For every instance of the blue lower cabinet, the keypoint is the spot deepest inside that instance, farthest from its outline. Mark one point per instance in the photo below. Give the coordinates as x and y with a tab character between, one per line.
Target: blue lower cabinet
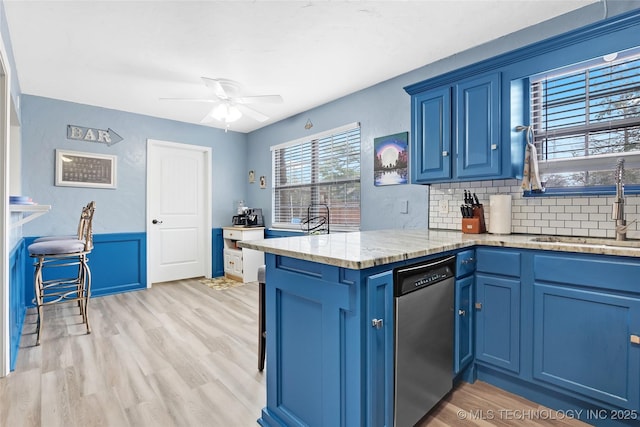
463	324
380	349
497	310
583	343
330	345
315	344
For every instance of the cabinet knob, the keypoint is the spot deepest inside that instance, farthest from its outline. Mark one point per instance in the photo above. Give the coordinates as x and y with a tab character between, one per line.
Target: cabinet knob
376	323
635	339
445	153
461	312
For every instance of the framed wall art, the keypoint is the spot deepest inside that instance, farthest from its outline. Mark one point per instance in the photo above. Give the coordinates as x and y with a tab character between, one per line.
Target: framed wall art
76	169
390	163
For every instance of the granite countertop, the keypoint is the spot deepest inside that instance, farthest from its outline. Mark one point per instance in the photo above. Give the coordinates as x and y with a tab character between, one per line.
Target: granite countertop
364	249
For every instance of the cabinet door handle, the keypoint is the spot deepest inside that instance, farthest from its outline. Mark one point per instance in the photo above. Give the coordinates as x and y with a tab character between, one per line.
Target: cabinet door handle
478	306
461	312
376	323
445	153
635	339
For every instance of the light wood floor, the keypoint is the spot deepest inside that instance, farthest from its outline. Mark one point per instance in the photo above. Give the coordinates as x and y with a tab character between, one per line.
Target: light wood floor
178	354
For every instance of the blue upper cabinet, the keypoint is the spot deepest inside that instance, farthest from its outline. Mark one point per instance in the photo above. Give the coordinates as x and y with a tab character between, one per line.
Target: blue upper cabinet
456	132
478	127
431	136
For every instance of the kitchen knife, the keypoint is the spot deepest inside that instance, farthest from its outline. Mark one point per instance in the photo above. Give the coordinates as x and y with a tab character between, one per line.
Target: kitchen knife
476	199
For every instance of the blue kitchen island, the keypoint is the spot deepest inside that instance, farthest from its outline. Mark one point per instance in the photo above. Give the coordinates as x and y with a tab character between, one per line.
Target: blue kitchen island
330	321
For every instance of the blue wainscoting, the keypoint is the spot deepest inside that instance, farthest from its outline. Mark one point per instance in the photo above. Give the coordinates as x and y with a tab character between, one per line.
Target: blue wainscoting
17	307
118	263
217	253
271	233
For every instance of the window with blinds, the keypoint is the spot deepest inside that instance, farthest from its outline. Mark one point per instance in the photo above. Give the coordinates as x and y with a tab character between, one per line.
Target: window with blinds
318	171
585	118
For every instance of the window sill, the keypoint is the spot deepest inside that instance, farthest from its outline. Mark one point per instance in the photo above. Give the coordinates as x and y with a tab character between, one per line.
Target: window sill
584	191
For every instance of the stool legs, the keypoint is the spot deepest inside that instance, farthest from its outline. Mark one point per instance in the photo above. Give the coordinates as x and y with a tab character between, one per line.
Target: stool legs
62	290
37	280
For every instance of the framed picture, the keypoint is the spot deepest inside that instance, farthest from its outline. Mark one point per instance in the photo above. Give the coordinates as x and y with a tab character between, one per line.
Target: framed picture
75	169
390	163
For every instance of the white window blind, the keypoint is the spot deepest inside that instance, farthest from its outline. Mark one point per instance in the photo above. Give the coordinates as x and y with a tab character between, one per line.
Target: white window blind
586	118
323	169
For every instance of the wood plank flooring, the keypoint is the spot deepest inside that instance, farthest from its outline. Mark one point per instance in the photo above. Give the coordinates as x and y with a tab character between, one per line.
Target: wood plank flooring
178	354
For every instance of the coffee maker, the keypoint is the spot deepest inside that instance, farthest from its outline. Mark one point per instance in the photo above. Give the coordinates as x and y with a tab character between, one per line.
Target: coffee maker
249	217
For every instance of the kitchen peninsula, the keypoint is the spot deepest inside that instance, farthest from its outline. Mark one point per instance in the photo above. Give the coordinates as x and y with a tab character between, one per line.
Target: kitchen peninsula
330	321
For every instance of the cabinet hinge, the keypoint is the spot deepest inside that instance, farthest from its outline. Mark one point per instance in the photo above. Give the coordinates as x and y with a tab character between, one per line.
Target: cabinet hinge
478	306
635	339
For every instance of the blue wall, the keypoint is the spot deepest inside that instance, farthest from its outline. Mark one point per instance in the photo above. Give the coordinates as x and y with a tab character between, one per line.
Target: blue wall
385	109
44	129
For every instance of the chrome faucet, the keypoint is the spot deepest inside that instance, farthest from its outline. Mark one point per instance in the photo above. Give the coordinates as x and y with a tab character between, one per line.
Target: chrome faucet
618	203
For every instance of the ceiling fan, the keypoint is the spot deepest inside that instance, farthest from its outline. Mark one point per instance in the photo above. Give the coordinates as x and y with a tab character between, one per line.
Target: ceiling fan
229	103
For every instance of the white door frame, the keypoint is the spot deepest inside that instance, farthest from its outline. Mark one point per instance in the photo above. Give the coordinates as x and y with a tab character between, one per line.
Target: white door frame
207	187
5	226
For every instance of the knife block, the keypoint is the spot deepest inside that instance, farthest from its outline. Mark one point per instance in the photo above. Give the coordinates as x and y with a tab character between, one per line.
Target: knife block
475	225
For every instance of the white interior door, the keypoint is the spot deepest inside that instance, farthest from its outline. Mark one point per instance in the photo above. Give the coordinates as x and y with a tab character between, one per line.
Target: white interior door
178	211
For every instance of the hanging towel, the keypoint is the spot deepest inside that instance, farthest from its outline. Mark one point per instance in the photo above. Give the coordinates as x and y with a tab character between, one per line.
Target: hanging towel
530	175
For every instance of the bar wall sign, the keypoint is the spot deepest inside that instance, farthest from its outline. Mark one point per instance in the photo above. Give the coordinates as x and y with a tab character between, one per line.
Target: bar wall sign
81	133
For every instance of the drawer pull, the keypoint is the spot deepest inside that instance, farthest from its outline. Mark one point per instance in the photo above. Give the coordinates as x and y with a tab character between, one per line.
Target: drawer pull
635	339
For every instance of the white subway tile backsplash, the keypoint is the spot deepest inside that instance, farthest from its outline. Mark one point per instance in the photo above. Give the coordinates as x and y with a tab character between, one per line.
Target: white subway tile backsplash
587	216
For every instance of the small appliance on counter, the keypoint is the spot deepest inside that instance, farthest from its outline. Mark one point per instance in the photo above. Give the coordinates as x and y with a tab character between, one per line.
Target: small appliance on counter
249	217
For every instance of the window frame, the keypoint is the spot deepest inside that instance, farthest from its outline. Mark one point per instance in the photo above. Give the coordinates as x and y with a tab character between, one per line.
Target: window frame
633	160
314	185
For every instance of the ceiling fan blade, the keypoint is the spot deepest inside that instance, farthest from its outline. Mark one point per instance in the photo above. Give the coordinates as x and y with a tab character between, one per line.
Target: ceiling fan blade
266	99
207	119
256	115
208	100
223	88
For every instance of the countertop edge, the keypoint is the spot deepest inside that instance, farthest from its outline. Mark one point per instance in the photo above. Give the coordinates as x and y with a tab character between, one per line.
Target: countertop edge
434	246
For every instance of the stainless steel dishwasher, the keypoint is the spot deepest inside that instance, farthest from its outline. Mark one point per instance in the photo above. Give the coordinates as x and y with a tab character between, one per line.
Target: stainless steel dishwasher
423	337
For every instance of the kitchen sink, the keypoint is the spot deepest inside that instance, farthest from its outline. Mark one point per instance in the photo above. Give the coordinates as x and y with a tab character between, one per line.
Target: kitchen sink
595	241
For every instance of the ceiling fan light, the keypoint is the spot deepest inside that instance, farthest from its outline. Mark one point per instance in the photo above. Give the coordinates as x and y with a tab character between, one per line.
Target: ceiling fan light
226	113
233	114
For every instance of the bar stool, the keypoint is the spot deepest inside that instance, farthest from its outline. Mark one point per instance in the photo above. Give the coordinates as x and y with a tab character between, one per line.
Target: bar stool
64	252
78	234
262	331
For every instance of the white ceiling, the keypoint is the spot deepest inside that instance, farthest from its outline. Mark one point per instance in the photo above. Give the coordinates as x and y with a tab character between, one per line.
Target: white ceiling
126	55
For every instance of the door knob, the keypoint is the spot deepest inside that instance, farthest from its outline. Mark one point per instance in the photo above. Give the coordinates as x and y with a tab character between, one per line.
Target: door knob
155	221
